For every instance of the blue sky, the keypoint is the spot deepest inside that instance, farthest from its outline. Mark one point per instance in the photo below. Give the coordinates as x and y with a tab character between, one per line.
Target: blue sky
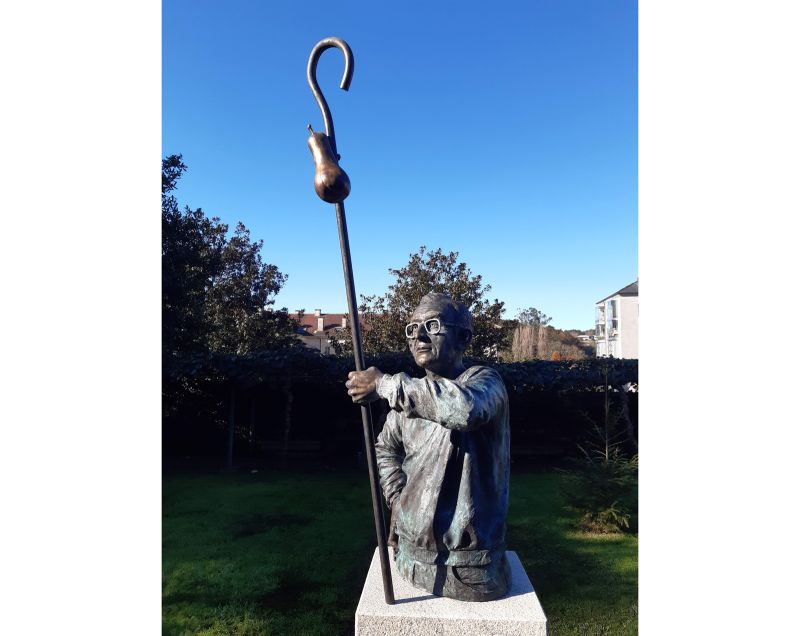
506	132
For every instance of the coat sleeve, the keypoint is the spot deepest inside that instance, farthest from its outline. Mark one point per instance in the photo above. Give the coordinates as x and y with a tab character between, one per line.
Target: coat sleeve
461	405
389	453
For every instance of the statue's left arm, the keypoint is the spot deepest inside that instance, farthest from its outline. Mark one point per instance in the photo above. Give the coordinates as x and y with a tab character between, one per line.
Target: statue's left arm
460	405
389	453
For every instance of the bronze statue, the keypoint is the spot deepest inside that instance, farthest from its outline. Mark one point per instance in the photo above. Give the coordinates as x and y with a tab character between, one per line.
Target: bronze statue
443	458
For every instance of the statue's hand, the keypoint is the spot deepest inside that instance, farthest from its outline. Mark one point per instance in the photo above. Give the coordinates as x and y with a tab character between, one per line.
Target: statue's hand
362	386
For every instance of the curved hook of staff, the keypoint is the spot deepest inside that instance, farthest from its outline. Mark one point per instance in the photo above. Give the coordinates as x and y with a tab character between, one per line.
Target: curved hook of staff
347	77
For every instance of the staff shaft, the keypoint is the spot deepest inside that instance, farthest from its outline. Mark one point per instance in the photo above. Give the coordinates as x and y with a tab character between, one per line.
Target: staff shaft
366	410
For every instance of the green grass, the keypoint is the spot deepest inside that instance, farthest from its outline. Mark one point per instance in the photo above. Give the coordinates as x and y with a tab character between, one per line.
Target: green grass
587	584
286	553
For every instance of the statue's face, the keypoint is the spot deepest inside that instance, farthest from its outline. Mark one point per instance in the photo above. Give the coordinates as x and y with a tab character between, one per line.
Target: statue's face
438	351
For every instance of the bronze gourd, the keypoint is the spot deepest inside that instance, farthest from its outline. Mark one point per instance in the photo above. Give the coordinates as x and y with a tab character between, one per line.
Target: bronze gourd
331	183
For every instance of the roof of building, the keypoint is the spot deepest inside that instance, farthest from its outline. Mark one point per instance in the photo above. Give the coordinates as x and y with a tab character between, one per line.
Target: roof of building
308	325
628	290
309	322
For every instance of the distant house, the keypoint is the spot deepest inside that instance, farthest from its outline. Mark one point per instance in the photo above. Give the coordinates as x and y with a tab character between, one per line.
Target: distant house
617	323
316	330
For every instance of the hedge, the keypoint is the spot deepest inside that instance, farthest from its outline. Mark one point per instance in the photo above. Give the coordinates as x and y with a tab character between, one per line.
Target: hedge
296	400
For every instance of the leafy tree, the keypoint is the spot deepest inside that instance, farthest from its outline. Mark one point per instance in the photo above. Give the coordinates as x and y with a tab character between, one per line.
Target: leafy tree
217	292
532	316
384	317
239	297
189	253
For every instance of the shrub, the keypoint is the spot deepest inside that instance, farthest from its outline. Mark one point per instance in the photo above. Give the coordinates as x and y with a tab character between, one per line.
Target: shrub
603	490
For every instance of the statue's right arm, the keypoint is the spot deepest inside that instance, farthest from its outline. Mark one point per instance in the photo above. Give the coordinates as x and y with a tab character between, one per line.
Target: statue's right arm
464	405
390	453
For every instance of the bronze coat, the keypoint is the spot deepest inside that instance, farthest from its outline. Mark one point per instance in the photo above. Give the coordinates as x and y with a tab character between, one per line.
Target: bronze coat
443	459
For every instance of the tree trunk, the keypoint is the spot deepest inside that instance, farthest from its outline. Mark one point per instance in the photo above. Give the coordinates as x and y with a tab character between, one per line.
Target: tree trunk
523	343
231	427
252	426
287	416
542	351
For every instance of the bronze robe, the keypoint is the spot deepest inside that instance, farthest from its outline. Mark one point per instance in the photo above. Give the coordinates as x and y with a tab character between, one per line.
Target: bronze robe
443	459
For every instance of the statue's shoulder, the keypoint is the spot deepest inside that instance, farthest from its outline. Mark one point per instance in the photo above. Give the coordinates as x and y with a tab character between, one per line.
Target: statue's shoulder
481	370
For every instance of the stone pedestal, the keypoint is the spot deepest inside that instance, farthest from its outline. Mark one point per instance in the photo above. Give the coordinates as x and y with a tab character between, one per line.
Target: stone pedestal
419	613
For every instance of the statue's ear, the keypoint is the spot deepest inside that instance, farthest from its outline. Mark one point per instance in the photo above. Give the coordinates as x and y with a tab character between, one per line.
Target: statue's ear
465	337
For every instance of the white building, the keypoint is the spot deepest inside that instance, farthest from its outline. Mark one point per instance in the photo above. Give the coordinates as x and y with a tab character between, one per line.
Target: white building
617	323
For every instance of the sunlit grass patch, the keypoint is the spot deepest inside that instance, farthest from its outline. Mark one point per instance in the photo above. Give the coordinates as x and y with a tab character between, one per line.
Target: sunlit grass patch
287	553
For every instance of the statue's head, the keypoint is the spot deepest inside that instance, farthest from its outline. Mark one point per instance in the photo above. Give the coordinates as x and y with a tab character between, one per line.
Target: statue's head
439	332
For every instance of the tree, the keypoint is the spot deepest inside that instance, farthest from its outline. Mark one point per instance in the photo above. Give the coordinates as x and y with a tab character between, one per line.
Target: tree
239	300
190	245
534	338
383	318
529	340
603	485
217	293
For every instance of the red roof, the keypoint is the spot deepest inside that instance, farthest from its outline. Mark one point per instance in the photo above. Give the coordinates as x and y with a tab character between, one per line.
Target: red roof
309	321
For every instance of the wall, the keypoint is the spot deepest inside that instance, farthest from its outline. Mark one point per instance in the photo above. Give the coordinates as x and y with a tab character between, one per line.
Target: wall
629	326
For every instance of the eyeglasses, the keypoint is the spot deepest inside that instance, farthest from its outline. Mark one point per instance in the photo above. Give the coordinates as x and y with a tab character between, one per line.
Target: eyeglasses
432	326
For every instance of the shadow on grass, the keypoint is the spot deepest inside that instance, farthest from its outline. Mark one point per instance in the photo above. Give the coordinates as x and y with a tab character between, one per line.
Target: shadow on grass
587	584
556	564
281	553
273	553
291	592
257	523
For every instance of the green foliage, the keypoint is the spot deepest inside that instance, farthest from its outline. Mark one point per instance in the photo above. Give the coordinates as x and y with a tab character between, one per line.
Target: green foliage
545	397
217	293
532	316
603	490
384	317
217	297
238	299
270	366
591	374
602	485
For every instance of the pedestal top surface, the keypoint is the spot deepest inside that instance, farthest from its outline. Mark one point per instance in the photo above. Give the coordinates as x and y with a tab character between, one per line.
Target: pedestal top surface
520	606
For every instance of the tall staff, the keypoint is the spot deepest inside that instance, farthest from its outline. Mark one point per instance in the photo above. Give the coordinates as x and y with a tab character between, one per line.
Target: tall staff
332	184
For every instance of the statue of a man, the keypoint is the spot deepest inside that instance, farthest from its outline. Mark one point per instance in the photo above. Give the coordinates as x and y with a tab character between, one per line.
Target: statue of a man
443	458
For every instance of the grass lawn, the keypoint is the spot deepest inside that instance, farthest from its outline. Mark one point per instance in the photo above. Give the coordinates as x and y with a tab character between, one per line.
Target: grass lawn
286	553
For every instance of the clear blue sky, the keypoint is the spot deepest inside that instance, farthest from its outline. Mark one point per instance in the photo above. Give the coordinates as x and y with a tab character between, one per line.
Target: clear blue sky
504	131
